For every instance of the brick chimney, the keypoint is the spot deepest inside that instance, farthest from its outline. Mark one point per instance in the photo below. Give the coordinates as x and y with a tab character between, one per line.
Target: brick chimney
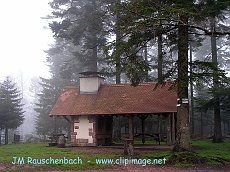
90	82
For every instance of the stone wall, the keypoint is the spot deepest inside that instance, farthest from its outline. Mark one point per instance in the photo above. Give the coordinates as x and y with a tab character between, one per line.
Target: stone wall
83	130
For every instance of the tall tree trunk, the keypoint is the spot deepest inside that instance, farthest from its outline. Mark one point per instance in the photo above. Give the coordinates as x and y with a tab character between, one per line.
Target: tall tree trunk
191	94
117	120
160	59
217	119
183	134
94	53
0	136
146	61
118	58
201	125
160	78
94	57
6	135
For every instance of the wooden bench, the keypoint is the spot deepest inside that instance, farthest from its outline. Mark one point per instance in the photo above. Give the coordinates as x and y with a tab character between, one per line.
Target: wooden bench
156	136
54	139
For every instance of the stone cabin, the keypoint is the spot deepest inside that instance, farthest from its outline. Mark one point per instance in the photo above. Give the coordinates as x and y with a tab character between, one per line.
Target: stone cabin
91	106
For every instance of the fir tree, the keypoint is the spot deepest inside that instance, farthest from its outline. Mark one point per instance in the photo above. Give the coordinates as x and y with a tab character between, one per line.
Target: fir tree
141	21
45	125
11	109
82	23
51	89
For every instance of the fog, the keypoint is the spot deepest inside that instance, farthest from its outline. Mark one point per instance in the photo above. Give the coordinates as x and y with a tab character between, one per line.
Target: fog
23	39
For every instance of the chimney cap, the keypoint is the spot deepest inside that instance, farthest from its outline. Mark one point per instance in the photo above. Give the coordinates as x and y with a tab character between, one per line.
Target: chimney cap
90	73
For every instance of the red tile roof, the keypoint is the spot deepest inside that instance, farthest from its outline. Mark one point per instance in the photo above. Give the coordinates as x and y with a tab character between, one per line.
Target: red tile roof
116	99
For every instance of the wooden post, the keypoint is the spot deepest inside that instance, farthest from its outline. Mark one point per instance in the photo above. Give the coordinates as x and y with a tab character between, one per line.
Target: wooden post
131	126
228	127
169	138
72	124
173	128
160	127
143	117
143	129
128	144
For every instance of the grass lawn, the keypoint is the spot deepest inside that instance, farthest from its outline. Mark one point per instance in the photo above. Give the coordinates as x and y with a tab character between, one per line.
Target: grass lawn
204	152
212	152
39	151
215	152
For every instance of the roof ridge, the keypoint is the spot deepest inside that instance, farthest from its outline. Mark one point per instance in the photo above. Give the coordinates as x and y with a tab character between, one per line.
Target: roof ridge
129	84
122	84
73	87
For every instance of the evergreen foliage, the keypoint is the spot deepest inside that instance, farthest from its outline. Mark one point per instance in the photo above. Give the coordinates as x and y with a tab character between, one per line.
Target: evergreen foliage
62	61
11	109
81	22
51	89
45	125
142	21
137	24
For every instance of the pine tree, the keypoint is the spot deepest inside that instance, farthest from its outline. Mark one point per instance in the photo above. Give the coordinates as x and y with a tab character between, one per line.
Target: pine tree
140	22
11	111
62	61
47	98
82	23
51	88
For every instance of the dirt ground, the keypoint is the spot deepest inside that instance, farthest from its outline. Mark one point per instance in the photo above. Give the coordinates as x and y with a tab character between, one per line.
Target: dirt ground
138	168
117	149
134	168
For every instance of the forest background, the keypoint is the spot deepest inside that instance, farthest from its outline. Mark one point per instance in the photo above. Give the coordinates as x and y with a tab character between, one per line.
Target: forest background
140	41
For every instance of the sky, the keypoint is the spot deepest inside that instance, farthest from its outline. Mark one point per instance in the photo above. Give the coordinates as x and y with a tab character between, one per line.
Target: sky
23	38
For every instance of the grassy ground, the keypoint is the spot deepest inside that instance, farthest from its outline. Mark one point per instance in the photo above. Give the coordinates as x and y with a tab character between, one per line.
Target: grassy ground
213	154
216	153
203	153
41	151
